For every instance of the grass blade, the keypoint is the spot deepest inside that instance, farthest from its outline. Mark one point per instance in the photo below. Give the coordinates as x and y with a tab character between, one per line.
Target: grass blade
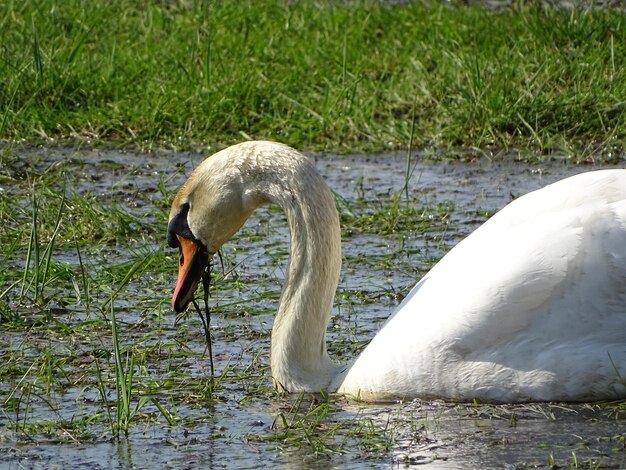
37	56
47	254
122	397
33	248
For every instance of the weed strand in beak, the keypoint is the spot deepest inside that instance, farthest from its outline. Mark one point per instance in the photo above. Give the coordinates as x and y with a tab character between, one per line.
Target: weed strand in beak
206	318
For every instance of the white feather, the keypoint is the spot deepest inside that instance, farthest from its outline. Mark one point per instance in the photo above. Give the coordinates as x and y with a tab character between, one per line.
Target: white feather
531	306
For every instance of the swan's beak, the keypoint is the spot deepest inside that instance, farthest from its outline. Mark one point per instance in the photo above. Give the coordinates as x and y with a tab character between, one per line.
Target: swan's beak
191	264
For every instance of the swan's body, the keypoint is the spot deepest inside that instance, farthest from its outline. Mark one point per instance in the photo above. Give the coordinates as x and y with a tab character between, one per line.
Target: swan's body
530	307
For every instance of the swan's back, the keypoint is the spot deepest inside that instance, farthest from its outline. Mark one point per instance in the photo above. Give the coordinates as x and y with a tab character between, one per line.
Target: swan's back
531	306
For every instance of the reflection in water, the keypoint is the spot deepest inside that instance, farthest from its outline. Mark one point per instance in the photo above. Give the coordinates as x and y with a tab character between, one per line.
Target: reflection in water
124	453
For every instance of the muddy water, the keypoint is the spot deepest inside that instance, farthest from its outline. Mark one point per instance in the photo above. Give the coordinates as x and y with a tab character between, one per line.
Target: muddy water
240	427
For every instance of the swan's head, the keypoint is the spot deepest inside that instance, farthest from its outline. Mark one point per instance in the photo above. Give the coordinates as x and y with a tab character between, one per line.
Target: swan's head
208	210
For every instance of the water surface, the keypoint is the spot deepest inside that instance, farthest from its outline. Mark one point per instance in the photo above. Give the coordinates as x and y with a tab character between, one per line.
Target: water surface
243	424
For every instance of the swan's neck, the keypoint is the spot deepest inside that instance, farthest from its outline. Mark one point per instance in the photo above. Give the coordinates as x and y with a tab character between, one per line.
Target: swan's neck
299	359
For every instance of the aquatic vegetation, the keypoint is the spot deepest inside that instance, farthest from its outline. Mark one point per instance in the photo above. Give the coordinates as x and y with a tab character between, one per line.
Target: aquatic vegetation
89	350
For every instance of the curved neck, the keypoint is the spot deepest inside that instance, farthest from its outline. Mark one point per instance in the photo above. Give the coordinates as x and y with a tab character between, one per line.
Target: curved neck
299	359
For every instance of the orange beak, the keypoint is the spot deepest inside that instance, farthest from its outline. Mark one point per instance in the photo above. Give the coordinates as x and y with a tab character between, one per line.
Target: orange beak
191	264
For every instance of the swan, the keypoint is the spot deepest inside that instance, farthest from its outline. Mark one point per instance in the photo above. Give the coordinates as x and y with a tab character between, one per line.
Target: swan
530	307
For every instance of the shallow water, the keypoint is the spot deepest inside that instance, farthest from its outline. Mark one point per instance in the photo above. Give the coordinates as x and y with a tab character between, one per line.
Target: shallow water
242	425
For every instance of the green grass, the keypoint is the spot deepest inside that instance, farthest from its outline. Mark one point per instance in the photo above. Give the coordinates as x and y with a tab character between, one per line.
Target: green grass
341	76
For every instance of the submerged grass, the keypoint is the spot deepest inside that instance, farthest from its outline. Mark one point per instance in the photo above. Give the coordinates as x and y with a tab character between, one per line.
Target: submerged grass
57	302
41	262
74	252
356	75
89	350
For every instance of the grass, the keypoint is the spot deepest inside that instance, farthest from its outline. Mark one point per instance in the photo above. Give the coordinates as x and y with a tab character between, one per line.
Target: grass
340	76
61	296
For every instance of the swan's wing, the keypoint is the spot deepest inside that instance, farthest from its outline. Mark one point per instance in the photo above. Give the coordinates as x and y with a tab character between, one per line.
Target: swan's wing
560	248
535	289
490	287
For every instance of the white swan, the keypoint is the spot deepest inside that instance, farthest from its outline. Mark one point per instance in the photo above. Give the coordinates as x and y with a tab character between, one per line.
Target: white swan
530	307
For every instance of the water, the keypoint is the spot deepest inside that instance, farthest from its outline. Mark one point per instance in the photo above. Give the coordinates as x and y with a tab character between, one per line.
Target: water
242	426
